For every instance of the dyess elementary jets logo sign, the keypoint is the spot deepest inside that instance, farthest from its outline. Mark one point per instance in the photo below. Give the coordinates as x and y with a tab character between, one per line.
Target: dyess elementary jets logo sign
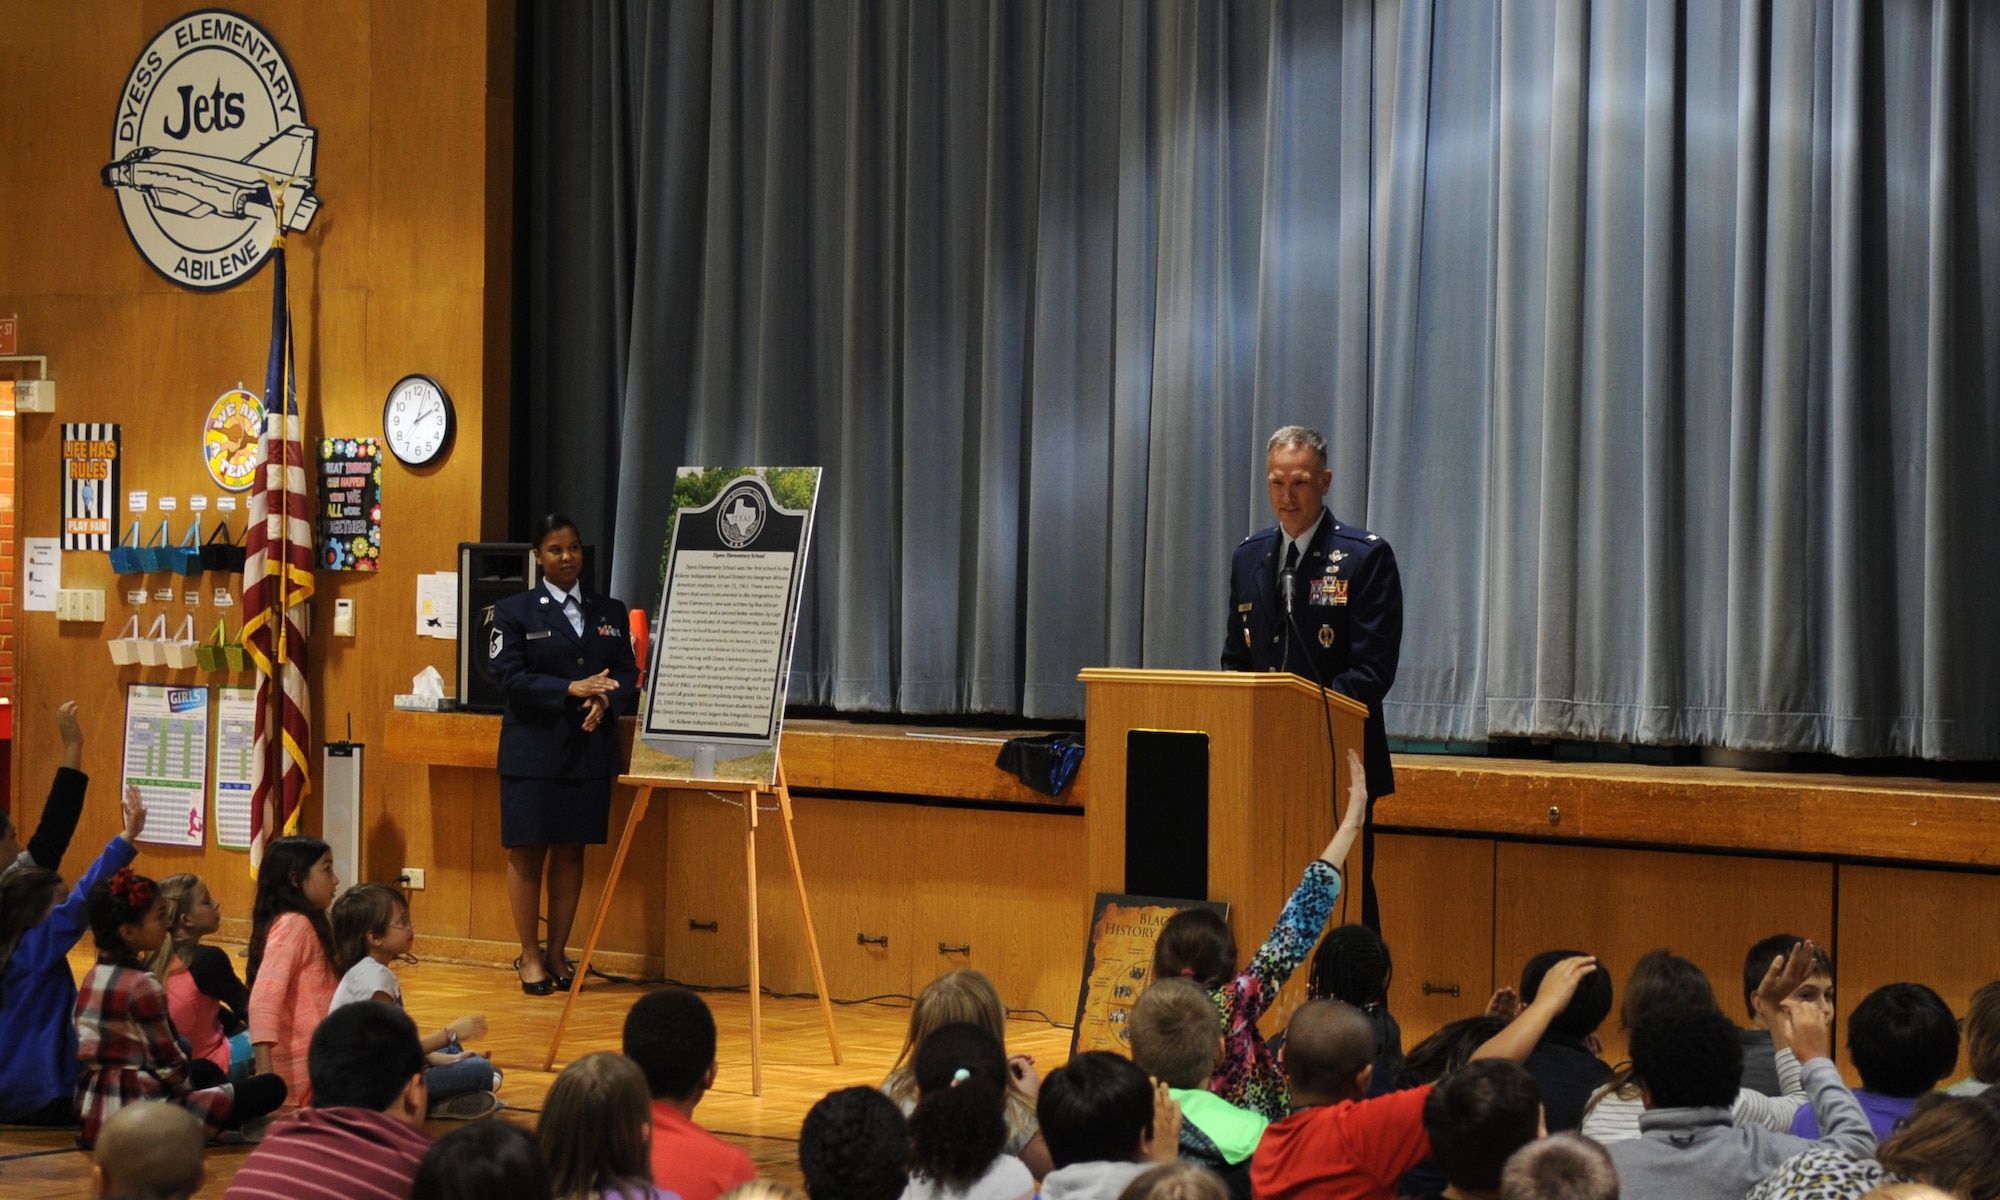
211	129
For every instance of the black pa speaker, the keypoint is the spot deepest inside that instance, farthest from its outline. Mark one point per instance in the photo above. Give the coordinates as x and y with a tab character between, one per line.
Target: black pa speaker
489	572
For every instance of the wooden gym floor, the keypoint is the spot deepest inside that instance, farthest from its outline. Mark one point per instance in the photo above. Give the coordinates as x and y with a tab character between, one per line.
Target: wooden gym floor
798	1069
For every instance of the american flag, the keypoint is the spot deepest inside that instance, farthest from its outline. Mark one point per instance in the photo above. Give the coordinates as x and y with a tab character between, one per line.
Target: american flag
277	582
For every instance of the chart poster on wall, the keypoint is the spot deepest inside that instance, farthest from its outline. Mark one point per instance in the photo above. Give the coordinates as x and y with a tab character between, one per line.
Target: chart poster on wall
1118	964
230	439
166	758
235	740
350	504
90	485
734	564
208	141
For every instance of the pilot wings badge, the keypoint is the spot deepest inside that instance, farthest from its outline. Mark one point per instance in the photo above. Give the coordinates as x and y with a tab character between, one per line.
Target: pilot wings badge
210	144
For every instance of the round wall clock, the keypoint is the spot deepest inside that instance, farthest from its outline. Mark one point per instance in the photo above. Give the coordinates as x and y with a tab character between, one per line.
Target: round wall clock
418	420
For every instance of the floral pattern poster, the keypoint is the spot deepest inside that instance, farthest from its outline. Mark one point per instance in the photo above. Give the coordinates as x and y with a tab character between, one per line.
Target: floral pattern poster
350	504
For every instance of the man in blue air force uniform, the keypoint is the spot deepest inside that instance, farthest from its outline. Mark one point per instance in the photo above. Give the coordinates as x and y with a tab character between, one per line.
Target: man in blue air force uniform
1346	625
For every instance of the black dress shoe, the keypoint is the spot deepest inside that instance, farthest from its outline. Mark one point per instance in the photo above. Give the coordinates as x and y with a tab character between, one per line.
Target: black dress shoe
540	987
567	979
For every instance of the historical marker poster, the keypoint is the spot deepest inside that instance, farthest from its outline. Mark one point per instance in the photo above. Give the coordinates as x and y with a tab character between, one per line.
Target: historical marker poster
722	648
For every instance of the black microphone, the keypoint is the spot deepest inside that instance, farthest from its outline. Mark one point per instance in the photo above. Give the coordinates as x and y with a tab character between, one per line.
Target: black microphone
1285	580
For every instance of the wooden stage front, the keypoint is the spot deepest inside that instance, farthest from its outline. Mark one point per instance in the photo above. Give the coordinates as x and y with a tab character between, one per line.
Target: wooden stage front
911	834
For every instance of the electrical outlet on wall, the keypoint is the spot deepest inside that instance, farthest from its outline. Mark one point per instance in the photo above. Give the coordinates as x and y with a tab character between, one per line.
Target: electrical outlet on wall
413	878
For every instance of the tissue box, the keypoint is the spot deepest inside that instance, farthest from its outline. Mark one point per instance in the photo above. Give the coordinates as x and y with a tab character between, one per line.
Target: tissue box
417	703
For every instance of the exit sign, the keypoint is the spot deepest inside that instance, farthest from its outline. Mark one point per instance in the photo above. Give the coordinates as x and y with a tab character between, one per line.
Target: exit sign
9	327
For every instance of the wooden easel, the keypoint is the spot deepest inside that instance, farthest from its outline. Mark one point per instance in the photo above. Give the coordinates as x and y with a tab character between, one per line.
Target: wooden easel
750	790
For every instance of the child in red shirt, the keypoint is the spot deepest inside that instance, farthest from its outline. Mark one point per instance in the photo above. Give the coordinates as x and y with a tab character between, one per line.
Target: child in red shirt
671	1035
1338	1146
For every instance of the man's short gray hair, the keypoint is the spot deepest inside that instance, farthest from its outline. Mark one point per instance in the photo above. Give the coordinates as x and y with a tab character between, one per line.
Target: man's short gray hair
1561	1167
1299	435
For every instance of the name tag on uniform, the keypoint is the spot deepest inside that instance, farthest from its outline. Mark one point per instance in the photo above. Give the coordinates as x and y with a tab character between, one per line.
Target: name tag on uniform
539	635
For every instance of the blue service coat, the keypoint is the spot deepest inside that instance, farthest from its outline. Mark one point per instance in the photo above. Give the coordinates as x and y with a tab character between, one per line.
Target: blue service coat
535	656
1348	605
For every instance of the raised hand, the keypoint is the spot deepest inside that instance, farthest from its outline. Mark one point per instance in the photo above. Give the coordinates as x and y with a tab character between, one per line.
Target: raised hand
1560	984
1804	1029
72	735
1356	815
1505	1004
133	810
1783	977
1027	1080
1166	1145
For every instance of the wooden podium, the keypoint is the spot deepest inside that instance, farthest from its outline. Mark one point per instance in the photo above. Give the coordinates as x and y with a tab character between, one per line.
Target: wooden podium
1271	804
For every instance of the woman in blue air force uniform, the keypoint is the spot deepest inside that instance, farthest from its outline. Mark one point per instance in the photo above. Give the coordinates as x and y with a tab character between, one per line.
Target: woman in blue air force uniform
563	657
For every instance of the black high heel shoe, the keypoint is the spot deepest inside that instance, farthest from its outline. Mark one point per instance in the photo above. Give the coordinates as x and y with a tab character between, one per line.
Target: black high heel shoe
567	978
540	987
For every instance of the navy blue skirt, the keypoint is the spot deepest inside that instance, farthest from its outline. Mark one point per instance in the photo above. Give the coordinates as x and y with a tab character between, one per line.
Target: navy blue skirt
542	812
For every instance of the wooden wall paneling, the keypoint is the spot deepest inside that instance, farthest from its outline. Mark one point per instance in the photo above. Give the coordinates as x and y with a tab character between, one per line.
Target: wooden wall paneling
1437	917
1901	925
62	233
704	882
1011	886
1620	904
437	831
390	278
858	859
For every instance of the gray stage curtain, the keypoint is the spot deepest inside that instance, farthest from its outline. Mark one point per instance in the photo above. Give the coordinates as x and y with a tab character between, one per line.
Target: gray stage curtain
1654	336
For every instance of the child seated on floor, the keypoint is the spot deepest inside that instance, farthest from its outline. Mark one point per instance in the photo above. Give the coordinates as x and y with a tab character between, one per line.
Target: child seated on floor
1476	1118
1903	1040
967	996
484	1160
1176	1181
1982	1041
60	812
1196	944
1105	1124
671	1035
209	1004
39	926
291	975
596	1130
958	1133
1950	1142
1353	965
855	1145
1760	1072
1662	978
1566	1063
1562	1166
371	929
1337	1144
1177	1039
125	1040
1690	1060
150	1151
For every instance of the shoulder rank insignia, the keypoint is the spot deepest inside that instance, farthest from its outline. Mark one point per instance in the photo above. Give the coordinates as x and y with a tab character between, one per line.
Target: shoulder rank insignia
1374	538
1328	590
